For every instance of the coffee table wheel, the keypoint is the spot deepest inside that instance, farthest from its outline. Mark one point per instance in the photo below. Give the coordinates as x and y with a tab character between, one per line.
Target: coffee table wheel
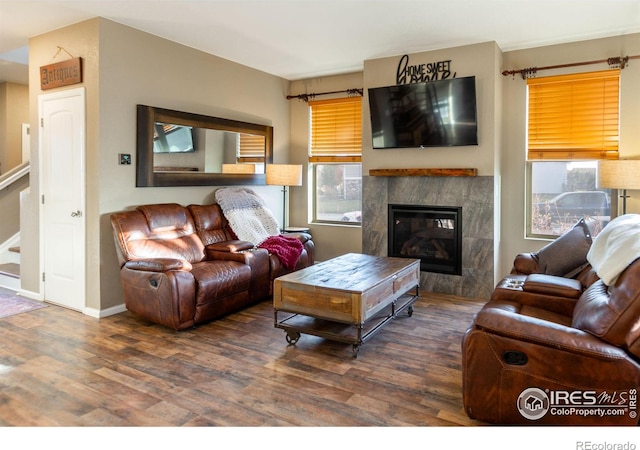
356	347
292	337
410	311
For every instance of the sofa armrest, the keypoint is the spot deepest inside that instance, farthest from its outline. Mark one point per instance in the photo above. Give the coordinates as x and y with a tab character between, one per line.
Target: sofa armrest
552	285
227	253
547	292
302	237
525	263
307	243
164	297
158	264
234	246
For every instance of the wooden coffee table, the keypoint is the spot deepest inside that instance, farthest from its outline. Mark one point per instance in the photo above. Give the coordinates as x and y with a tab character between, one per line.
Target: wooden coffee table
346	299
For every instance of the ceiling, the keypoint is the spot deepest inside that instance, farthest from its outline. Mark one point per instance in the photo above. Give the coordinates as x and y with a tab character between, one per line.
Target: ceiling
298	39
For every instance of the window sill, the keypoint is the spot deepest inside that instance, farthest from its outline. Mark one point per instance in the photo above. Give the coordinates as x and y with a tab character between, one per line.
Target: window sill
338	224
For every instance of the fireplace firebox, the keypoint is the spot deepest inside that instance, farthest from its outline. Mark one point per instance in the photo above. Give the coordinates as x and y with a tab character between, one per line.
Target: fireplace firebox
432	234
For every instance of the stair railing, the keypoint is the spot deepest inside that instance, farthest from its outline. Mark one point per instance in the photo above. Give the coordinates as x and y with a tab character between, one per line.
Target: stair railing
14	175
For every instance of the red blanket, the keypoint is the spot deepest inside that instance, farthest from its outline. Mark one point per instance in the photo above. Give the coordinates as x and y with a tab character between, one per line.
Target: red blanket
287	249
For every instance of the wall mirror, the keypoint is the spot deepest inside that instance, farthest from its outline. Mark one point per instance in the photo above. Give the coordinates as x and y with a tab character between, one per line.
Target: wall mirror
176	148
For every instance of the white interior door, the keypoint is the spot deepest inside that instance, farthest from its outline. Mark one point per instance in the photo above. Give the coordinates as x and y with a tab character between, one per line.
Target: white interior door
62	168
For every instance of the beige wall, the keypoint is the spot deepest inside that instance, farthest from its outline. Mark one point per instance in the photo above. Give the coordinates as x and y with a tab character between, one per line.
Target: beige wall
14	111
124	67
473	60
514	124
331	240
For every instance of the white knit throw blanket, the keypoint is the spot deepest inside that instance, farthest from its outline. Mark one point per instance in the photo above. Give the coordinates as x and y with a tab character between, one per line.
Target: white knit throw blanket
615	247
247	214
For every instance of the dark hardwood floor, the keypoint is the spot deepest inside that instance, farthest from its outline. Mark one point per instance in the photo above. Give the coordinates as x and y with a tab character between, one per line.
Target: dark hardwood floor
62	368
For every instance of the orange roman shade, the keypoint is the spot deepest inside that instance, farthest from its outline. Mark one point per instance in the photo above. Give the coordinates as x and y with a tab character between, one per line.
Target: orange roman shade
573	117
336	130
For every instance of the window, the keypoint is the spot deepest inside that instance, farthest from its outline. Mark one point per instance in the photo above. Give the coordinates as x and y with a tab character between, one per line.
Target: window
572	123
560	193
335	157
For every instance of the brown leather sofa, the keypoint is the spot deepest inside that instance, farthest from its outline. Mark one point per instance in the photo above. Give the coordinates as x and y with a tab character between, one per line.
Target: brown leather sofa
556	350
181	266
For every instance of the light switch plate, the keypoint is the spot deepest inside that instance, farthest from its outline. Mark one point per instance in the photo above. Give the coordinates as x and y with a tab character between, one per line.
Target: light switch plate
125	159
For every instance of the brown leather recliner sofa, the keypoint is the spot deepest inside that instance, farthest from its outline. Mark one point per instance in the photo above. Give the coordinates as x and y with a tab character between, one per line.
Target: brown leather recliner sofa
557	350
181	266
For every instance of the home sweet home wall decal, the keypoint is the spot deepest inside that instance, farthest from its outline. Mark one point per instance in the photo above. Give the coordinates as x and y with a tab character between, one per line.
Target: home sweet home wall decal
417	73
64	73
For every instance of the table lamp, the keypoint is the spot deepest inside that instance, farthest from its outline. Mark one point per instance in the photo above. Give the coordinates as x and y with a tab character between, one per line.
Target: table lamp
284	175
619	174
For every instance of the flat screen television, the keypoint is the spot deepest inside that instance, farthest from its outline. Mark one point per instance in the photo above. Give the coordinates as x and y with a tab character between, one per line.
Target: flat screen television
430	114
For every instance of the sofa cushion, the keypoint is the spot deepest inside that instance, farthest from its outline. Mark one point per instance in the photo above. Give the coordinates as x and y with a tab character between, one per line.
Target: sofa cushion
168	219
210	224
568	253
157	231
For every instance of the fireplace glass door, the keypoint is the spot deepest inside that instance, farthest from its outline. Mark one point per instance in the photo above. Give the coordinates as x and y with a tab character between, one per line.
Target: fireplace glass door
432	234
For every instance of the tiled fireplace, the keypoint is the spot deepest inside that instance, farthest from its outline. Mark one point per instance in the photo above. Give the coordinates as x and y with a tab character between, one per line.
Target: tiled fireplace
472	197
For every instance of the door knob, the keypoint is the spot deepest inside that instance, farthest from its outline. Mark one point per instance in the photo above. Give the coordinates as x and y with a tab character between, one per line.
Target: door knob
77	213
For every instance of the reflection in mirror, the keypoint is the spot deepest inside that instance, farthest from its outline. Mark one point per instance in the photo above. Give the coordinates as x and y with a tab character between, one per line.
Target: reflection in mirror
179	148
182	149
172	138
239	168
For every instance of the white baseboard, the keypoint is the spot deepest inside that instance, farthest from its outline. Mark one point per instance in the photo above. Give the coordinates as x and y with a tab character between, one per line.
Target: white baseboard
100	313
30	294
92	312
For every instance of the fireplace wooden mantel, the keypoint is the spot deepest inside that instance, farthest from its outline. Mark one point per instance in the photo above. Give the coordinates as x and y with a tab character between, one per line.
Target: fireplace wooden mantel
423	172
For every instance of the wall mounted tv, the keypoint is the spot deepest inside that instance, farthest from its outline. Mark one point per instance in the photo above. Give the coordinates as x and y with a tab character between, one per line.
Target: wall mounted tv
431	114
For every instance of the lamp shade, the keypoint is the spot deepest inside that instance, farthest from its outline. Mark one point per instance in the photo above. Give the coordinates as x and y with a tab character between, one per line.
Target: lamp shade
284	174
619	174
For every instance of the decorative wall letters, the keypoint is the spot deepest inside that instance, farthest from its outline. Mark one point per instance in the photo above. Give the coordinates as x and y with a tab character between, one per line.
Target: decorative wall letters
417	73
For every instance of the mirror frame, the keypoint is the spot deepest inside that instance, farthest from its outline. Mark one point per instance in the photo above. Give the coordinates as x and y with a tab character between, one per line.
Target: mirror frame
147	116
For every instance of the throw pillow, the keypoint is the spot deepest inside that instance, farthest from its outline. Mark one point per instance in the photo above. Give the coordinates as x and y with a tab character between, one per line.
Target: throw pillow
568	252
